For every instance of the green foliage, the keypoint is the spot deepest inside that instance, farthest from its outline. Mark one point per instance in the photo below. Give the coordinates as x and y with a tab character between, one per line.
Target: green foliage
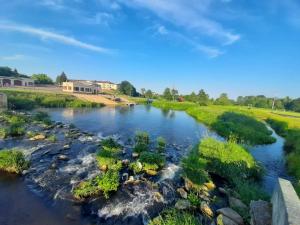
142	141
86	189
194	168
194	199
3	133
52	138
152	159
167	94
13	161
110	143
248	191
279	126
223	100
8	72
16	126
41	79
228	160
245	128
109	182
61	78
161	144
175	217
30	100
127	88
134	166
42	117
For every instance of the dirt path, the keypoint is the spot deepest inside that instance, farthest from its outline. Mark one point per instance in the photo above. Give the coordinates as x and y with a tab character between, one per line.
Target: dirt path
95	98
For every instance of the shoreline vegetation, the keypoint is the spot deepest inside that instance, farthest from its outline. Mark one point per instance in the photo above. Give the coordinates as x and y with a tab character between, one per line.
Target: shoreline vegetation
245	125
211	162
28	100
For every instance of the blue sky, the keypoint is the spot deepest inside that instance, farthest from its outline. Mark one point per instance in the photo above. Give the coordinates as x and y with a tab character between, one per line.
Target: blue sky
239	47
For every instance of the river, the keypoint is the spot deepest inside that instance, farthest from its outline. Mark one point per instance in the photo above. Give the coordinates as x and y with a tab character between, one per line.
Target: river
21	204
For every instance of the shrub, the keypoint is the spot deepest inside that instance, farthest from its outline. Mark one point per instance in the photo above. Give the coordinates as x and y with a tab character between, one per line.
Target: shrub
42	117
52	138
151	159
280	127
228	160
13	161
135	167
142	138
175	217
245	128
110	143
108	155
161	144
86	189
194	199
194	168
109	182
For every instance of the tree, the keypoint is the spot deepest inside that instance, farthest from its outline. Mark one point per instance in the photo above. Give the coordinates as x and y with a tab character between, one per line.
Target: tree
127	88
223	100
167	94
41	79
149	94
192	97
203	98
8	72
61	78
143	91
174	94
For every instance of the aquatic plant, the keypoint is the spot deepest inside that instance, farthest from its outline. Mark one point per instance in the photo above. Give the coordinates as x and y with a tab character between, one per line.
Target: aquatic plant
175	217
142	141
152	159
108	155
42	117
52	138
13	161
160	144
109	181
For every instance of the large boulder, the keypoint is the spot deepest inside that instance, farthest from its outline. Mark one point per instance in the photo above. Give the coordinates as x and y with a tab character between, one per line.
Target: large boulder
182	204
236	203
224	220
231	214
261	213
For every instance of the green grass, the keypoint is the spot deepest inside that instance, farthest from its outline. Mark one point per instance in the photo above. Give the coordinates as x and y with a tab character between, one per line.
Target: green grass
109	153
142	142
13	161
28	100
42	117
175	217
161	144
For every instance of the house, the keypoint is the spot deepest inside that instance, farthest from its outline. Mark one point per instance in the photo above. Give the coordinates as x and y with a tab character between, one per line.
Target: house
107	85
16	81
81	86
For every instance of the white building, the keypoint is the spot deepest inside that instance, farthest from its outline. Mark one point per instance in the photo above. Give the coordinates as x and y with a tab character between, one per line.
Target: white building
16	81
107	85
81	86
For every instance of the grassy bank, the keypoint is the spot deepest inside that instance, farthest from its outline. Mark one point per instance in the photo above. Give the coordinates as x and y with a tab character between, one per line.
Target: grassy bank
20	99
226	121
292	148
12	161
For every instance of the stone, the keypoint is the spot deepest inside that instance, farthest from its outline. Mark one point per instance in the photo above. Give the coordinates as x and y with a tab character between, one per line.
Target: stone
66	147
104	168
151	172
125	162
188	185
182	204
125	176
182	193
135	155
139	165
261	213
63	157
24	172
38	137
224	220
231	214
236	203
158	197
206	210
223	191
210	185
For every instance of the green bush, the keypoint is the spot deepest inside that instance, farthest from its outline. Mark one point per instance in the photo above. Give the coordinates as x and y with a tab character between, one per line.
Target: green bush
135	167
109	182
194	168
13	161
3	133
86	189
280	127
194	199
175	217
245	128
109	153
42	117
151	159
52	138
142	138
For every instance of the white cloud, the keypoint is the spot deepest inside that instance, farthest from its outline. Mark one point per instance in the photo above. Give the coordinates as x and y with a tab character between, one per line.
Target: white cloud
13	57
44	34
192	15
209	51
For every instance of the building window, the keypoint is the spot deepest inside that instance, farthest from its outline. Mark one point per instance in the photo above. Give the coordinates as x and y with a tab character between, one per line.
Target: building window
65	87
76	88
69	88
82	89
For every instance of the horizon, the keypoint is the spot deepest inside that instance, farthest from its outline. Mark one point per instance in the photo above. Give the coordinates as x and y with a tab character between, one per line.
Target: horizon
221	46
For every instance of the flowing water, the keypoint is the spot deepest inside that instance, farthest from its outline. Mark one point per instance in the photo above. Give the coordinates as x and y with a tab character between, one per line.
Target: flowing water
21	203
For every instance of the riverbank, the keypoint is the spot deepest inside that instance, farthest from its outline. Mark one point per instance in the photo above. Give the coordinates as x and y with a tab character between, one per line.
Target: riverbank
71	160
286	124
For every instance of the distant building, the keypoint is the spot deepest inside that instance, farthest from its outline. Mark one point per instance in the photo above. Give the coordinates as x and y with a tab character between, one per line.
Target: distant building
81	86
107	85
16	81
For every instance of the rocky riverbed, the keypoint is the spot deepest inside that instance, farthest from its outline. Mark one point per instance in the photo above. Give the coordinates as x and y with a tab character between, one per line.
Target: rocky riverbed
58	164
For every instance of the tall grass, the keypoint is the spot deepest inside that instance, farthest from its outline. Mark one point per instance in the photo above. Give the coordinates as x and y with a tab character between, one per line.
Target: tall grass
12	161
28	100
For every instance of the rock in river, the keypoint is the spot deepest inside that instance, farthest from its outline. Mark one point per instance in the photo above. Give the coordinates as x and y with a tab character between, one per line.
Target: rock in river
206	210
236	203
224	220
182	204
231	214
38	137
261	213
182	193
